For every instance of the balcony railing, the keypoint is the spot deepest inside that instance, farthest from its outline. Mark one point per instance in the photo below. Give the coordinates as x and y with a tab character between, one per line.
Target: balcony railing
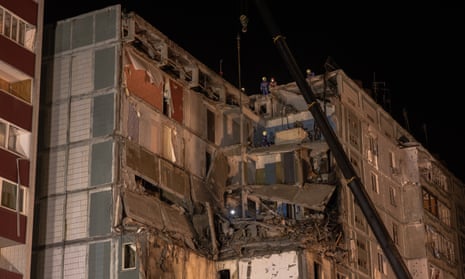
20	89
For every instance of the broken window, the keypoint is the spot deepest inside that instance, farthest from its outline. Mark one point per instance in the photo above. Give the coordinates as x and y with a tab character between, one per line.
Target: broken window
374	183
276	169
353	128
317	271
360	221
155	190
251	209
263	109
444	213
362	255
373	150
286	210
129	256
232	200
393	163
224	274
430	203
267	205
392	196
438	178
168	145
210	126
395	233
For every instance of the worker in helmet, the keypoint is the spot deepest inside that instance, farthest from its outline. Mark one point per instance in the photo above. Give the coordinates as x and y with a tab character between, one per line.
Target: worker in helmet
265	141
310	73
273	82
265	86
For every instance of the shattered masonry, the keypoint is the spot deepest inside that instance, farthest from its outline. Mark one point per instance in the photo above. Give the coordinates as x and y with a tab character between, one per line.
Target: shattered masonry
158	163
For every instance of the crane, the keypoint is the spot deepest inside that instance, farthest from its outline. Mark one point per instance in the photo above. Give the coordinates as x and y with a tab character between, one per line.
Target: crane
348	171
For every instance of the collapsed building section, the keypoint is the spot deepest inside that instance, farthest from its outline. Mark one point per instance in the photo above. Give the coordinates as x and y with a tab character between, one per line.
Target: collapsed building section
231	195
158	163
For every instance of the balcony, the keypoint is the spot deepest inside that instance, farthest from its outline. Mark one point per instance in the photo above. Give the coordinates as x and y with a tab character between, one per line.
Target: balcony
20	89
6	274
10	233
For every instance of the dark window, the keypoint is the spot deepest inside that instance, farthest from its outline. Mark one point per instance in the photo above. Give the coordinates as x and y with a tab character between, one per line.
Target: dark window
224	274
129	256
317	270
208	161
210	126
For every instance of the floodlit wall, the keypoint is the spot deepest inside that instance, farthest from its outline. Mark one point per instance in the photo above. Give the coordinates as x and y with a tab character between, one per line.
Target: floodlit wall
77	155
282	265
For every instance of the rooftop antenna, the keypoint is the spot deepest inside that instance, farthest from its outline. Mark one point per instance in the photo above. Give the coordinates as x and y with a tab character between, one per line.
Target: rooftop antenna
404	113
238	39
379	88
376	89
244	20
221	67
425	130
330	64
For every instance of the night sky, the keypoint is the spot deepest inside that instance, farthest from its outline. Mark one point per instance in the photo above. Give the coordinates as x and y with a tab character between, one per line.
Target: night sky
417	54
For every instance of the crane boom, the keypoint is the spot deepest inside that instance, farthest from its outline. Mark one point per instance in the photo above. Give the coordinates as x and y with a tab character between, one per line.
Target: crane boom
353	181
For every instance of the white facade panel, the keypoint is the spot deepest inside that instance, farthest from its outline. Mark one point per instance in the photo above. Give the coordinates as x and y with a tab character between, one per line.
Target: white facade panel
195	148
17	255
51	263
54	182
75	262
59	124
80	120
78	168
51	220
61	69
76	215
82	73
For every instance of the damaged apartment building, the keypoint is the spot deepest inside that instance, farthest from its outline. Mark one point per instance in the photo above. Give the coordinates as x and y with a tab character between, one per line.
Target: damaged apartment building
151	165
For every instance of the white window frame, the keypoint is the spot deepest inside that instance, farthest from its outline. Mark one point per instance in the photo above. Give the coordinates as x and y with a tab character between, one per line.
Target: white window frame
21	199
128	264
22	139
24	33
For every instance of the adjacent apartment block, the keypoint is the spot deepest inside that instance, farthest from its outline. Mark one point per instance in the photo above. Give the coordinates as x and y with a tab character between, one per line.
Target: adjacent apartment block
20	63
153	166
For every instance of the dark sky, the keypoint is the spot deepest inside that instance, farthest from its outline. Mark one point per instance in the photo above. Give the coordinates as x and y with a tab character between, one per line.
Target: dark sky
418	53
